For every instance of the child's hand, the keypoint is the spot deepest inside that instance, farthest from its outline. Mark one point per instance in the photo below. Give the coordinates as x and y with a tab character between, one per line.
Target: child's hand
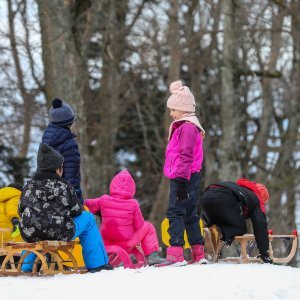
181	189
16	224
85	208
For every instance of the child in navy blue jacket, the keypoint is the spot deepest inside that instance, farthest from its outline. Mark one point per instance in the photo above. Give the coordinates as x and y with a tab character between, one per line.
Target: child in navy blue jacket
59	136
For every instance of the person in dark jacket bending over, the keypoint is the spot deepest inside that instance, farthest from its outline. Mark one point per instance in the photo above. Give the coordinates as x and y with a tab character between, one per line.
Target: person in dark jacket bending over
50	210
228	204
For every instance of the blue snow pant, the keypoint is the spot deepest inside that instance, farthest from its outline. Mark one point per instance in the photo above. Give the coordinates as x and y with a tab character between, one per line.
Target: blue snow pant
183	214
93	250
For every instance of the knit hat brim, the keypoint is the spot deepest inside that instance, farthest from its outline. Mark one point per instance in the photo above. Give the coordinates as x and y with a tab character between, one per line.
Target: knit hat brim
64	123
185	108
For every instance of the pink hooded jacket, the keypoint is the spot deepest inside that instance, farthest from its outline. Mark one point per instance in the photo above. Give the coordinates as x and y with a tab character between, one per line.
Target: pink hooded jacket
184	154
121	214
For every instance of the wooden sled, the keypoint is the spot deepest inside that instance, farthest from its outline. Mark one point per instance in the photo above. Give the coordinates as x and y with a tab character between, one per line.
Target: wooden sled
213	246
48	262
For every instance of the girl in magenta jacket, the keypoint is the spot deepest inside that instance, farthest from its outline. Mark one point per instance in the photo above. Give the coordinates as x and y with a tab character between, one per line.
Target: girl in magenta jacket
122	221
183	163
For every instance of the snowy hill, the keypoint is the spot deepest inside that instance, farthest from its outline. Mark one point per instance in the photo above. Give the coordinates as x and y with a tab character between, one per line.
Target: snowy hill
214	281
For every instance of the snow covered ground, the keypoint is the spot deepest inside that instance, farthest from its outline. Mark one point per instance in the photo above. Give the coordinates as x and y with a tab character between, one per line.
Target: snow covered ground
214	281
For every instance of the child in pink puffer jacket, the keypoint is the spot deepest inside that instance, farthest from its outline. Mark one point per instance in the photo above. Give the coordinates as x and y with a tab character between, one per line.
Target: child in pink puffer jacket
122	221
183	163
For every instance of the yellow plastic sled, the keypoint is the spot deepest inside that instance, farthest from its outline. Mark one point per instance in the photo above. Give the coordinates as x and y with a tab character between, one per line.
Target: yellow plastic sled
166	237
77	253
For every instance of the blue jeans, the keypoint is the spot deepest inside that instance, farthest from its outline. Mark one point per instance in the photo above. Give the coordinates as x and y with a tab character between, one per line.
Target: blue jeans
93	250
183	215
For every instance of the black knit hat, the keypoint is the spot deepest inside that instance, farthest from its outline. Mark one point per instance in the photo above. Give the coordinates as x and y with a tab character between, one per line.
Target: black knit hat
48	159
16	186
61	113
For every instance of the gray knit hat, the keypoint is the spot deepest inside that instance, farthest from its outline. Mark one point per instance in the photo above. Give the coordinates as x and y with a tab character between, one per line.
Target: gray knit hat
48	159
61	113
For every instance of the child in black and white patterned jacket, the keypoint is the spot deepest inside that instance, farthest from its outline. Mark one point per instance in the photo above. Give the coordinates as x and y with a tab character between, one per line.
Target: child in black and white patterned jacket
50	210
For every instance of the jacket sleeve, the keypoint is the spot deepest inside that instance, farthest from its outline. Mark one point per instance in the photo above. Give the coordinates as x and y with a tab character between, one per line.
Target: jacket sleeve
94	205
187	141
138	219
21	206
260	228
74	202
71	156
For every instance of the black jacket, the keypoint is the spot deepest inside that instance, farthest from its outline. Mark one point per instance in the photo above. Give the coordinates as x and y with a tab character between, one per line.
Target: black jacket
228	205
47	205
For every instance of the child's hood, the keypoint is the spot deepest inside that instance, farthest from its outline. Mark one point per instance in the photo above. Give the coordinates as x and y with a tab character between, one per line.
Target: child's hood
7	193
122	185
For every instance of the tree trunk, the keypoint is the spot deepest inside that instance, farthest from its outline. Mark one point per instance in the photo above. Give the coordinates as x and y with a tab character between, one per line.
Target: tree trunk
108	104
66	74
160	205
230	141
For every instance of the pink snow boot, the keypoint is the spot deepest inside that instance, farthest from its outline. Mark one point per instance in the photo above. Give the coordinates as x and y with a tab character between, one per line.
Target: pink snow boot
198	254
174	257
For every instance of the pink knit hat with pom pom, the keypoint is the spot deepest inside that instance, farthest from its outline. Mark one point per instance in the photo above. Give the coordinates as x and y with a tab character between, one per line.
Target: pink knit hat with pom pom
181	98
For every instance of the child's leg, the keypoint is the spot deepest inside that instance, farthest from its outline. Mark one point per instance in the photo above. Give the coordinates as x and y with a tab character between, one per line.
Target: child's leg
176	213
146	235
192	219
93	250
28	262
148	238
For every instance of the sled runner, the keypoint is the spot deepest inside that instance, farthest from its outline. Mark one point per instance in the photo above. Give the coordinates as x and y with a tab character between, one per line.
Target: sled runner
133	258
48	262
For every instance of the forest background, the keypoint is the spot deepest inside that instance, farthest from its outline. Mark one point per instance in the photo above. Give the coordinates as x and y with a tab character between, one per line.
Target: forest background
113	61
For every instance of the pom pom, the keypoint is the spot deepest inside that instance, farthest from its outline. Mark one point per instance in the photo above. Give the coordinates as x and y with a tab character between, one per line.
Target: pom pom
176	86
44	148
57	103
